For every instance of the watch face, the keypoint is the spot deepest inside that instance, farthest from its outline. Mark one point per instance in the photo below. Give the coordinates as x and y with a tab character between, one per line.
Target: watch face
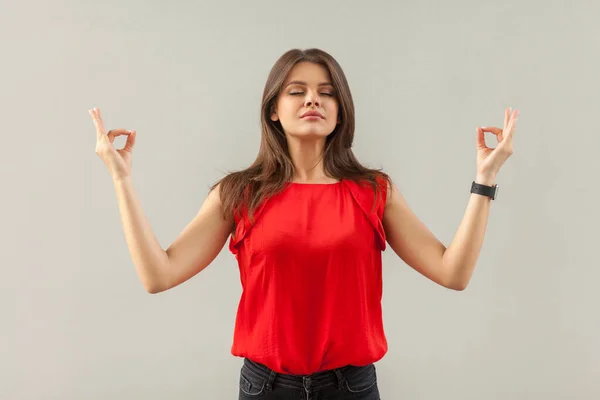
496	193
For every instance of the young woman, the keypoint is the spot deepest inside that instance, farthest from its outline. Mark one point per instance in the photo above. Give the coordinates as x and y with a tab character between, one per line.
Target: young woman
307	224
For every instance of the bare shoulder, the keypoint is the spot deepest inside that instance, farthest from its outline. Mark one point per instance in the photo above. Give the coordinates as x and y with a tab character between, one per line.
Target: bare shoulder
214	199
393	195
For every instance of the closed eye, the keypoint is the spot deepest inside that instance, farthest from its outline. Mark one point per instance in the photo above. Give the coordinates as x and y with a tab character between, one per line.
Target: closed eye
323	94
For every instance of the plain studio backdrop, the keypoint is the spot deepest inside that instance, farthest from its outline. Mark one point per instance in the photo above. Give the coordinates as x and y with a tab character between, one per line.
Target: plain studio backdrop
188	76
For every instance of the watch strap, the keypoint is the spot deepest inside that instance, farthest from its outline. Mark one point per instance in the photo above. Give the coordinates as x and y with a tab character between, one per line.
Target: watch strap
484	190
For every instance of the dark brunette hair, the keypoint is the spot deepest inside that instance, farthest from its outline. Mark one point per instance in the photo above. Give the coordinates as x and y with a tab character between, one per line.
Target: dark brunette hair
273	168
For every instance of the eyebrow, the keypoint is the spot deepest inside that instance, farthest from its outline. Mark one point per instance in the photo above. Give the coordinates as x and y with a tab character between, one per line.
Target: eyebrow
304	83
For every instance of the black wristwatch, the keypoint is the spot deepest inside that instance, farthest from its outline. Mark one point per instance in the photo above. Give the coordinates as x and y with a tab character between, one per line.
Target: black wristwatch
490	191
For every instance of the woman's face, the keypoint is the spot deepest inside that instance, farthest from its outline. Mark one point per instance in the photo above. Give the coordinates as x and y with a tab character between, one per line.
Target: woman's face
308	87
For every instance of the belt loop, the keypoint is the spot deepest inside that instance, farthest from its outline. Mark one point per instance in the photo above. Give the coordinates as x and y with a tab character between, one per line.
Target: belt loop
340	378
270	380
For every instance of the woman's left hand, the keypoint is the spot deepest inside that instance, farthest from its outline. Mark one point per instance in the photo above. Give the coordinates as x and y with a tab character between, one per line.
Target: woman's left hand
489	160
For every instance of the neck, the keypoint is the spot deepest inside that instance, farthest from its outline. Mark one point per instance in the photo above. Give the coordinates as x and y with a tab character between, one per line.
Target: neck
307	157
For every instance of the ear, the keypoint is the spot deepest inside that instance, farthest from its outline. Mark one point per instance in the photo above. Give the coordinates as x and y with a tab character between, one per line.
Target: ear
274	116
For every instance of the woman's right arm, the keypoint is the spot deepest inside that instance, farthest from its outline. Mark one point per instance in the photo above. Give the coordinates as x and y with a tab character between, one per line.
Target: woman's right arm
192	251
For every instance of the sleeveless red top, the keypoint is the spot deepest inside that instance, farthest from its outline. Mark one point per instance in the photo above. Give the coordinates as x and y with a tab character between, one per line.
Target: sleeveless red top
310	269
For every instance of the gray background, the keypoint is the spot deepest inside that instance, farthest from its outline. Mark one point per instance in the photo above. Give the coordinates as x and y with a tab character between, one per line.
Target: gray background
188	76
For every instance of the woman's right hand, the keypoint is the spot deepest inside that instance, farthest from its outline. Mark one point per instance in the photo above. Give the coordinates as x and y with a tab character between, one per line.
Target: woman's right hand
118	161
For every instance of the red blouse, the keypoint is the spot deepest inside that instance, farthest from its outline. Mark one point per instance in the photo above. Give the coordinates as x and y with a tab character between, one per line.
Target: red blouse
310	269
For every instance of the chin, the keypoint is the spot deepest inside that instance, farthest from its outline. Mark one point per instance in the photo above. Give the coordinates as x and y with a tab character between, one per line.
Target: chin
312	132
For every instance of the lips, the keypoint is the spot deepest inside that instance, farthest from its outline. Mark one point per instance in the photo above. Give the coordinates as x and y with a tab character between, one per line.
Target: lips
312	114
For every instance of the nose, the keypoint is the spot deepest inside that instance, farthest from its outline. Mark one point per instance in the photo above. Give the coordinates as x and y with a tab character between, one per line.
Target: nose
312	99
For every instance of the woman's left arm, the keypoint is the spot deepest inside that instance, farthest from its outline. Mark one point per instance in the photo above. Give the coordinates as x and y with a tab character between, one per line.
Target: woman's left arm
413	242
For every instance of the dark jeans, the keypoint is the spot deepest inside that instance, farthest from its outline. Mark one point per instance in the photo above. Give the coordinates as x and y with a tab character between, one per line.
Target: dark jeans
257	381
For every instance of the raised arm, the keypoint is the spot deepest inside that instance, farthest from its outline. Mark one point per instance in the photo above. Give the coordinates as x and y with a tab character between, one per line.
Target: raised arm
193	250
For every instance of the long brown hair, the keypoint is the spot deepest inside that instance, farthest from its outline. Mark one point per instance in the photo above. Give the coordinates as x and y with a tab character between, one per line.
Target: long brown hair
273	168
